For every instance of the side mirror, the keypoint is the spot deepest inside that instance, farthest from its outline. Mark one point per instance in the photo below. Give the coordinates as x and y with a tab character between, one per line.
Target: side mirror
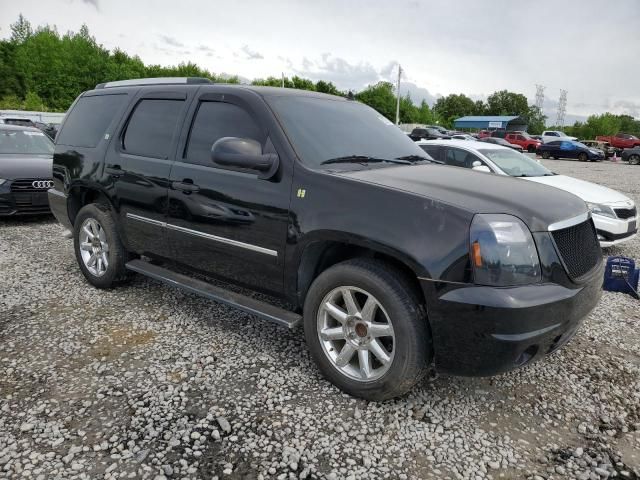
479	167
244	153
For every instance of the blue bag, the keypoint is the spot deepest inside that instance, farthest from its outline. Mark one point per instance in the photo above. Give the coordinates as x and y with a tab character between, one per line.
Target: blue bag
621	275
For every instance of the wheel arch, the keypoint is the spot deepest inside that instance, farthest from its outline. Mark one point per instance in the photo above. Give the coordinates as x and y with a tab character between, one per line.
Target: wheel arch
80	195
324	251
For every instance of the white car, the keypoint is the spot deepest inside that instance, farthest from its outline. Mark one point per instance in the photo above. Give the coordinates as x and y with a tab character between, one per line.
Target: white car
464	136
551	135
614	215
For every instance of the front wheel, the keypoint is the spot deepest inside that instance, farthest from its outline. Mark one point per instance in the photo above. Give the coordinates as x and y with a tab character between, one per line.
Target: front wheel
99	251
583	157
531	149
366	329
634	160
545	155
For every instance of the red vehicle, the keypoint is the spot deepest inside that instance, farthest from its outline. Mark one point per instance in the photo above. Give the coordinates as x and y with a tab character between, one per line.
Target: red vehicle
524	140
620	140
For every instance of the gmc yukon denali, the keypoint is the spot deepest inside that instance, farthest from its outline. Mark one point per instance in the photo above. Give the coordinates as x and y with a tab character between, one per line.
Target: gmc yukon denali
392	262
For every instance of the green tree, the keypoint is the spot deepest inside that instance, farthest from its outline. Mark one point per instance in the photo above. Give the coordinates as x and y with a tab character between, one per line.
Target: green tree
327	87
454	106
21	30
504	102
381	97
33	102
536	120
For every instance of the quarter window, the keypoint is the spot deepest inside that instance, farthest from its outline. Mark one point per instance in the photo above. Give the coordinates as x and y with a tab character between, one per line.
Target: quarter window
152	127
215	120
87	123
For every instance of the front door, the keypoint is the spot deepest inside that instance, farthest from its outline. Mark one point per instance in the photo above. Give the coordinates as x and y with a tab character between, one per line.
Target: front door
138	163
226	221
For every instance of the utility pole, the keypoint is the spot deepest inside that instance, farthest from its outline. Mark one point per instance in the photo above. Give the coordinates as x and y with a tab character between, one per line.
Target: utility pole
282	79
398	100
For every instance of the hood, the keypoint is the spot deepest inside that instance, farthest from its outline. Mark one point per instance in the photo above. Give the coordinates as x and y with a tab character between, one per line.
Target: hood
477	192
26	166
589	192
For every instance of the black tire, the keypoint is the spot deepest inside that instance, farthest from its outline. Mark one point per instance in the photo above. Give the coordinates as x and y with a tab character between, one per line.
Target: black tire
634	160
117	255
531	149
556	158
583	157
545	155
412	350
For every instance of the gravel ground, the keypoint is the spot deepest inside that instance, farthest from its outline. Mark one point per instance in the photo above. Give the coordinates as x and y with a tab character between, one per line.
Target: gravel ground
148	382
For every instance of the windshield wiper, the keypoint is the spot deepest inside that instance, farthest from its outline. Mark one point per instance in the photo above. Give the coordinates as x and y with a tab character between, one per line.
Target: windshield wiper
418	158
363	159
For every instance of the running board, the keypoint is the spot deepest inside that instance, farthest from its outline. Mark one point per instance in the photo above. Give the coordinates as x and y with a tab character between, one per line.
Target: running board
236	300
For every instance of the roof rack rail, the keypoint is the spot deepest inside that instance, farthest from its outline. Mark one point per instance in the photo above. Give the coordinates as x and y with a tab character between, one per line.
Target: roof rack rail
135	82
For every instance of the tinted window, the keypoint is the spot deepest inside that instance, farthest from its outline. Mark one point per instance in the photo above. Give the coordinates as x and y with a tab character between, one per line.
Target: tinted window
554	144
322	129
215	120
460	158
151	128
87	123
432	150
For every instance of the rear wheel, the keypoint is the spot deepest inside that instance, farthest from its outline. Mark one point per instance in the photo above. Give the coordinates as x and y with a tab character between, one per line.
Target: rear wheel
583	157
634	160
545	155
99	251
366	329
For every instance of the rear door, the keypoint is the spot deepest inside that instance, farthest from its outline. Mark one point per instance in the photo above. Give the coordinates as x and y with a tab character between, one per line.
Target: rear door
138	164
225	221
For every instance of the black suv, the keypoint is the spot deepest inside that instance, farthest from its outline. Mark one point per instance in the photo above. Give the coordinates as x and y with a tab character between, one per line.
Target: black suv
391	261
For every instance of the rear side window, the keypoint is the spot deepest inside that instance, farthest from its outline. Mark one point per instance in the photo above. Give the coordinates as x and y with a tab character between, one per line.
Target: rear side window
87	123
215	120
433	150
152	127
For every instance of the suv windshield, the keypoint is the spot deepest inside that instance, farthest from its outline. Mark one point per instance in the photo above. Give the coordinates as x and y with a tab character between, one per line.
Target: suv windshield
515	164
24	142
322	130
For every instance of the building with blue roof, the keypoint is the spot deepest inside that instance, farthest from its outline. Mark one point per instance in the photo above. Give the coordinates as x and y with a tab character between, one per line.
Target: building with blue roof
491	122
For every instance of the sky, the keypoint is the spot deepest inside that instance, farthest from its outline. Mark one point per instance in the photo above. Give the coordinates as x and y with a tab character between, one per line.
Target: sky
590	48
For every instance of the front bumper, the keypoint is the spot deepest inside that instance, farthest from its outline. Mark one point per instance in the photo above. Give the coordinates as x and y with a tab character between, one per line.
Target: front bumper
15	203
613	231
481	331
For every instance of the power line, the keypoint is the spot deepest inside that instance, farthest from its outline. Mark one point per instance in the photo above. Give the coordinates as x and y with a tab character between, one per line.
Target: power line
562	108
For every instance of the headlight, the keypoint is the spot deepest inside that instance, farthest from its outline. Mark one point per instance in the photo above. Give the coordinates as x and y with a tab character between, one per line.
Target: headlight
604	210
502	251
2	180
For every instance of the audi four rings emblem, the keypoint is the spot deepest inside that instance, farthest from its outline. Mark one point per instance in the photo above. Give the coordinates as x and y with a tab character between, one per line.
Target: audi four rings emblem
42	184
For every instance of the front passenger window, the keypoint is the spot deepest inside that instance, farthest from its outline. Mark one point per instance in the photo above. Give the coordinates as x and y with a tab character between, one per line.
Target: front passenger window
215	120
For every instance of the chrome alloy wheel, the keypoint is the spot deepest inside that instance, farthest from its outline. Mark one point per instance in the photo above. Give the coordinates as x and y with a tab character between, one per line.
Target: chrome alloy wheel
356	333
94	248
